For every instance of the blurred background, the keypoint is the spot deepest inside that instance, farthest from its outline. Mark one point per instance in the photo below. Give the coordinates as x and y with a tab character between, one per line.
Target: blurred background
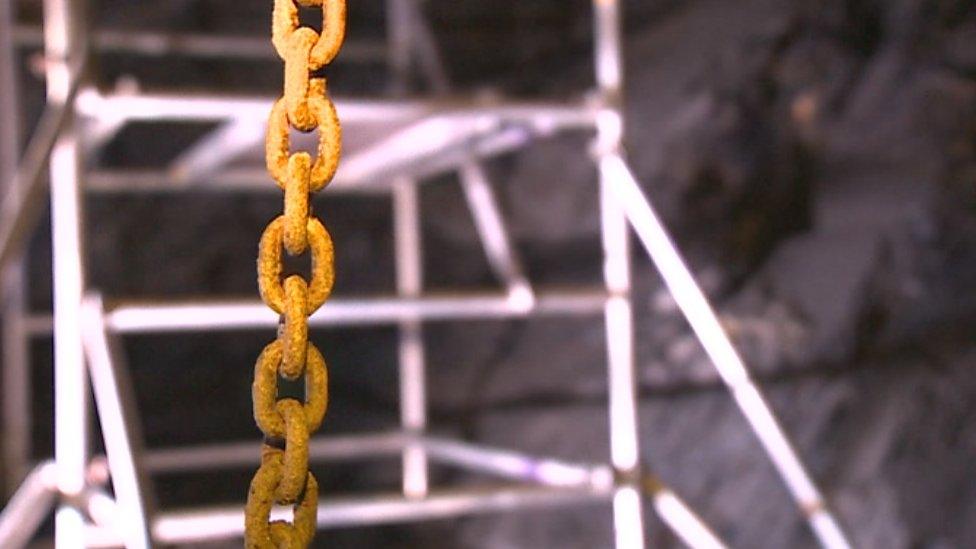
814	160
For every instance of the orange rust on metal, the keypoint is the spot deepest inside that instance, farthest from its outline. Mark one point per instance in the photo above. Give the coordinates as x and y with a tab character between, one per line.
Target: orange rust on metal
260	533
295	238
651	484
811	508
297	81
264	391
294	333
270	265
285	23
277	140
296	452
283	477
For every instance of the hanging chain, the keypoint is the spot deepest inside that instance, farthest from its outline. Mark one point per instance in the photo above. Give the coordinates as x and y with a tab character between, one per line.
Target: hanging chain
283	477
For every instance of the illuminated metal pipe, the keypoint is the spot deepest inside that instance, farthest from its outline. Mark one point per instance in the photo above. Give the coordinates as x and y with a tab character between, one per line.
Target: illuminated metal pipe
369	170
519	466
29	506
442	133
408	249
483	144
134	317
679	517
423	142
703	320
544	116
247	454
490	225
504	463
116	415
226	522
408	252
374	178
70	383
236	315
628	522
624	440
102	508
65	48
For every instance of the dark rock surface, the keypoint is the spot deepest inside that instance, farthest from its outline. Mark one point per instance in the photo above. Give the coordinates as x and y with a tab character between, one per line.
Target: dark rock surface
816	162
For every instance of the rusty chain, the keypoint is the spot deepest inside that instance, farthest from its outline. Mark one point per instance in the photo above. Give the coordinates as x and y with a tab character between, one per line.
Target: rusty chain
283	477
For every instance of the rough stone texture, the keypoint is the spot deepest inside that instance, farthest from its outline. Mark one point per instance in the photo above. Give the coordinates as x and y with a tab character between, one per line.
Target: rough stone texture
815	161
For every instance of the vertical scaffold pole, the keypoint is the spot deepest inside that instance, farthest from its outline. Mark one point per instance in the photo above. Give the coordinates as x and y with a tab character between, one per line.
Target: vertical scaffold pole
624	437
409	270
64	40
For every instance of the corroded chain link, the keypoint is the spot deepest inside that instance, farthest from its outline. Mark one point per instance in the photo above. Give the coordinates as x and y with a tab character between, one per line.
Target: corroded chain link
284	478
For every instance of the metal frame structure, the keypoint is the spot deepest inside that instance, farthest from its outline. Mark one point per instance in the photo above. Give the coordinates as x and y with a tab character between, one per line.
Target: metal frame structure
434	135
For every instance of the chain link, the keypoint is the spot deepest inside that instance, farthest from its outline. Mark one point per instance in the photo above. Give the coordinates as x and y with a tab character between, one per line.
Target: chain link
283	477
277	142
270	266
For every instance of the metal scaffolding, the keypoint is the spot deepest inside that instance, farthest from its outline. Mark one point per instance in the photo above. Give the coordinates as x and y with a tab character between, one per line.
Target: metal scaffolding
400	142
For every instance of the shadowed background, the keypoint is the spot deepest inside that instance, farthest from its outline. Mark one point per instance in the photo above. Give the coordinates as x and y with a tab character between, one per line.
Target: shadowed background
815	161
